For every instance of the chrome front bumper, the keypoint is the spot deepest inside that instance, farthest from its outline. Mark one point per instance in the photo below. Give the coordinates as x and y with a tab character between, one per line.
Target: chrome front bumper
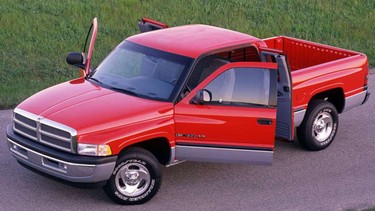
65	166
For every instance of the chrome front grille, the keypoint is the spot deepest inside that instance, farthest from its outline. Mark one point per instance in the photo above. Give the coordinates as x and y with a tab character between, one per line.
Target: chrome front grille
43	130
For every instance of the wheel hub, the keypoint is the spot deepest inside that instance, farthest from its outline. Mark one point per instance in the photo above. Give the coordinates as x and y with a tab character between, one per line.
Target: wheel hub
322	126
132	177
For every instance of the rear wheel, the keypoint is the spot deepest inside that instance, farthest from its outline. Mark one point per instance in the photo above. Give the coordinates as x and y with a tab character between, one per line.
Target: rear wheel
319	127
135	179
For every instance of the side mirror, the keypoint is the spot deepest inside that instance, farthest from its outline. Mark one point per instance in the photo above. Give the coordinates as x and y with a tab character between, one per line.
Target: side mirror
77	59
203	96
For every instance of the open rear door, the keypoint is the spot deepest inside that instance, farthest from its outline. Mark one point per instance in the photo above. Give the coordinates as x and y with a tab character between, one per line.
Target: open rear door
146	25
285	114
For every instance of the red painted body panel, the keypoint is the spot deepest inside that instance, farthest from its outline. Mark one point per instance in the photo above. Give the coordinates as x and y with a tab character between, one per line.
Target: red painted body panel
148	20
347	74
317	68
225	125
192	40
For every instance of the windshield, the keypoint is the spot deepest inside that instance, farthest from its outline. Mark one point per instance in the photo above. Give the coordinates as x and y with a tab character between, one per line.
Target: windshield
142	71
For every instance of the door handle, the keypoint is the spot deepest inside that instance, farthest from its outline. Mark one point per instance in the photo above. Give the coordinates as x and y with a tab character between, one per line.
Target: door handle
264	121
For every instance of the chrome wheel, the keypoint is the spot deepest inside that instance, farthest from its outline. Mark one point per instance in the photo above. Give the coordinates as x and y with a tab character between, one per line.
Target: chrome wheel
319	126
322	126
133	179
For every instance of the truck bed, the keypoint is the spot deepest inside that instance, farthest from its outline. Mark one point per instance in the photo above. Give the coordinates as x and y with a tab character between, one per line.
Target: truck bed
318	68
302	53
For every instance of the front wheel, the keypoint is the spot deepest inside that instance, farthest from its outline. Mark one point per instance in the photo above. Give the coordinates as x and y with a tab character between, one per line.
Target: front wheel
135	179
319	127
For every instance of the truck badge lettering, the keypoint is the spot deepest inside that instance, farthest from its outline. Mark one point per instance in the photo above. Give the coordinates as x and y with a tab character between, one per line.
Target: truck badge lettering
190	135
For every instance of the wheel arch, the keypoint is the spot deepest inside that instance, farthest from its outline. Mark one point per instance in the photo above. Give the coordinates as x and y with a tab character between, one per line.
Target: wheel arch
159	147
335	96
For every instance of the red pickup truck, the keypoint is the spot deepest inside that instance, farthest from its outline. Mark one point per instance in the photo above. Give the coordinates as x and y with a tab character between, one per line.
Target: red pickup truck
194	93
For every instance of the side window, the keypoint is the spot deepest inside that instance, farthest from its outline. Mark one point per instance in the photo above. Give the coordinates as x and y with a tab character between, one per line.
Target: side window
203	69
244	87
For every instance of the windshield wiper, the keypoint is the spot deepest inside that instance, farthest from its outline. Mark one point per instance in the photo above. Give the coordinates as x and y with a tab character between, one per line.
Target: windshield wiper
96	80
126	91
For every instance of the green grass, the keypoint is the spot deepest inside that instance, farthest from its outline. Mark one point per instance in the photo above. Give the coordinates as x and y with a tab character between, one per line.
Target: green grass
36	35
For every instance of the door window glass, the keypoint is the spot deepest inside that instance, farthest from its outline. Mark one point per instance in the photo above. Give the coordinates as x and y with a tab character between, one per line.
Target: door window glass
243	86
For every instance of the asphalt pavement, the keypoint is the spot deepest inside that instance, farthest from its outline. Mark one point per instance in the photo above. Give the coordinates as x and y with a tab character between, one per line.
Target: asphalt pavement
340	177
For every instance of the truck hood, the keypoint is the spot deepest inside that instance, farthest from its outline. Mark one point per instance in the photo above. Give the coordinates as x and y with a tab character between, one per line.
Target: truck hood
88	108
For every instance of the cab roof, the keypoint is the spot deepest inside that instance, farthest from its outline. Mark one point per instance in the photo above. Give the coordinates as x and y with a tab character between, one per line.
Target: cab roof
192	40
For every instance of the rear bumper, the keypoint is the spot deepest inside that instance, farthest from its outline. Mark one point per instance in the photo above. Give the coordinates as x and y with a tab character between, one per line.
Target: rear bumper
356	100
367	97
62	165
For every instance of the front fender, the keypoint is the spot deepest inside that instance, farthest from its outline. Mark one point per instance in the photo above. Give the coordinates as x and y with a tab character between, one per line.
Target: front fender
119	138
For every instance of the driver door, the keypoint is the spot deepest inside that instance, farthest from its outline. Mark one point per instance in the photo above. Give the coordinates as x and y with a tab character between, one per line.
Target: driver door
236	123
93	31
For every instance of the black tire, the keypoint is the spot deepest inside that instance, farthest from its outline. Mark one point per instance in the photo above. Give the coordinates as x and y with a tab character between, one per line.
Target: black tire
141	170
314	134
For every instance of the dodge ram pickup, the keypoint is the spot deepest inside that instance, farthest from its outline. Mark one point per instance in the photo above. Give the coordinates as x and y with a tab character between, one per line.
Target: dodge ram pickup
187	93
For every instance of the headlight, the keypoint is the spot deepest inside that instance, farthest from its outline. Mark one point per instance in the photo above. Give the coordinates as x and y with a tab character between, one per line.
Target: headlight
94	150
